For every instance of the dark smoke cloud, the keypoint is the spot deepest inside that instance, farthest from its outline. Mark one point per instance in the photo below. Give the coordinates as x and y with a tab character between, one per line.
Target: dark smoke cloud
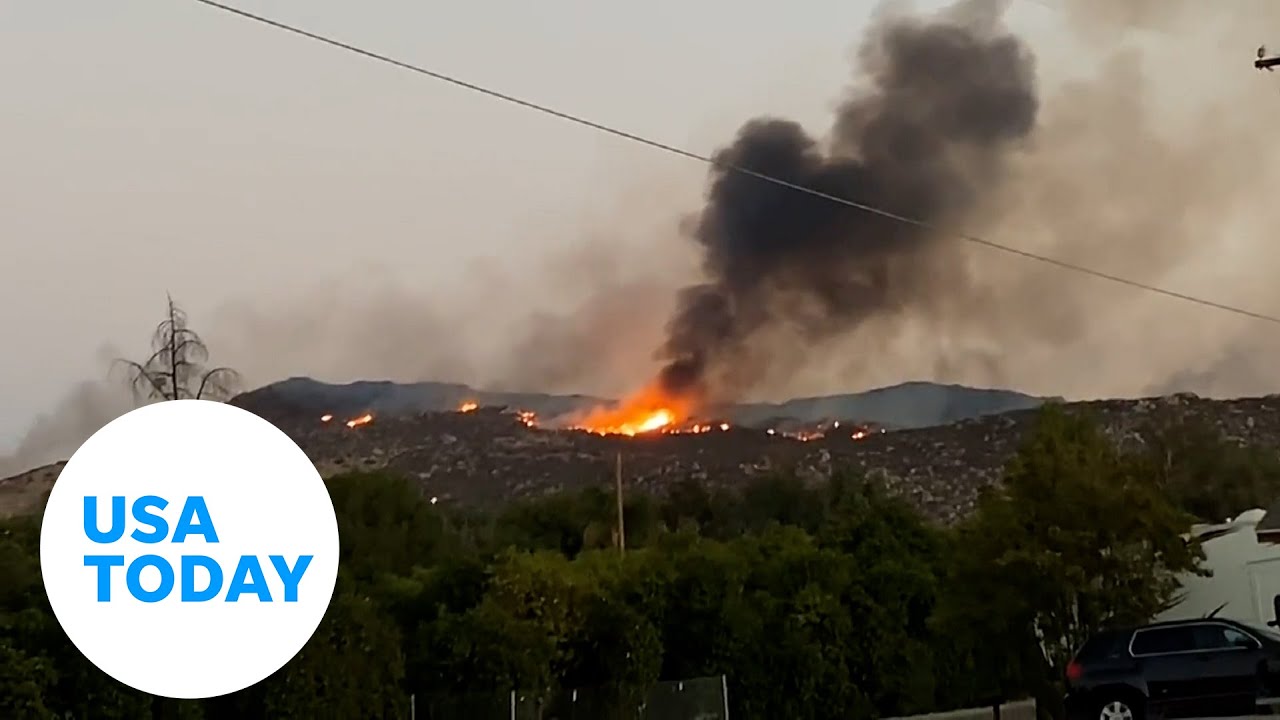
1153	158
945	101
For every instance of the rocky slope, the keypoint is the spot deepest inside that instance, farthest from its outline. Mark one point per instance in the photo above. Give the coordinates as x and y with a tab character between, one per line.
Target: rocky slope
25	493
489	455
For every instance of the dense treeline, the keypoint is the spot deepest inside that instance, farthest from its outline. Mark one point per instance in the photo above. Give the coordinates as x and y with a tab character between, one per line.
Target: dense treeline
815	602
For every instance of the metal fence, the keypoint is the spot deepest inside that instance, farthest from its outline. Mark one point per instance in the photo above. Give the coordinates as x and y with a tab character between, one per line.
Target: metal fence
694	699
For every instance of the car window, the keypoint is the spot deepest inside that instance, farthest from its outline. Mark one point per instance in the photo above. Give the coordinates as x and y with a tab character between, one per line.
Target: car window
1156	641
1103	646
1237	638
1215	637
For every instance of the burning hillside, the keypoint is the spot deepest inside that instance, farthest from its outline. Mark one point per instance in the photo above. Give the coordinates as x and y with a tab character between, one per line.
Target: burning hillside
354	422
904	406
638	421
648	411
946	102
490	454
664	421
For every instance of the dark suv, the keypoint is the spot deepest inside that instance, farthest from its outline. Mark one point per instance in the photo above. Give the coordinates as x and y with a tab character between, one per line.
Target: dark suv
1188	668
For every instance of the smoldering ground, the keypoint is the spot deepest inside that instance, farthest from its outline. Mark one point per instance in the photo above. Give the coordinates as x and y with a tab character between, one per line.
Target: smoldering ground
1150	156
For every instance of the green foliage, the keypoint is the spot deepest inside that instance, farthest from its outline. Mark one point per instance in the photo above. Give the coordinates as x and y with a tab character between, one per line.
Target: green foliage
352	667
1209	475
25	681
1079	536
384	526
814	602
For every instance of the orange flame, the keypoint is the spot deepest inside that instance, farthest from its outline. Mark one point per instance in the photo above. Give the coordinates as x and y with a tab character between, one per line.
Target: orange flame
467	407
649	410
528	417
326	418
362	420
695	429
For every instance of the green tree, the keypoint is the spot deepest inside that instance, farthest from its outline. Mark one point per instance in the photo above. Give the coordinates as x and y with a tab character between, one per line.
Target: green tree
780	499
572	522
385	525
715	514
615	649
897	560
816	601
565	522
25	683
486	649
352	667
1208	475
542	589
1078	537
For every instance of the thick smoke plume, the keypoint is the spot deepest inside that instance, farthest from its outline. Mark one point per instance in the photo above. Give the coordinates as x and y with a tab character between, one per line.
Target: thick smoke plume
1152	157
946	100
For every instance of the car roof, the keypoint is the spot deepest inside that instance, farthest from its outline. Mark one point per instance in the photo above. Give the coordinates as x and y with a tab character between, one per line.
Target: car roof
1189	621
1171	623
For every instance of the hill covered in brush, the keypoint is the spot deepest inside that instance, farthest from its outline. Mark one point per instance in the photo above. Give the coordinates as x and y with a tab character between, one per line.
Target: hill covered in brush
909	405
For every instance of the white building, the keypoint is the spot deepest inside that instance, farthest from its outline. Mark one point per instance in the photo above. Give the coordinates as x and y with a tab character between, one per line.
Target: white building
1244	555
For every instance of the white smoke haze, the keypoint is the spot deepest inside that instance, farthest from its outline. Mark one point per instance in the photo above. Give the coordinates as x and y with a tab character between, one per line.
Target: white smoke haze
579	319
78	414
1152	158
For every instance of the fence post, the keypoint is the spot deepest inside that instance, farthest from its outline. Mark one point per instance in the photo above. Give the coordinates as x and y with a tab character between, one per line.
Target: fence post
513	705
413	707
724	694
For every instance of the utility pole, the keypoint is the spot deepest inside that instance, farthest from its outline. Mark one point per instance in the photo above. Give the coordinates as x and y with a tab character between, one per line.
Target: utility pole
1265	60
622	530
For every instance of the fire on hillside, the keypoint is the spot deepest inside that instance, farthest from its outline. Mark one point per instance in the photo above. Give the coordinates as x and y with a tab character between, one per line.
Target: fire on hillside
362	420
650	417
806	433
648	411
352	423
654	426
528	418
655	412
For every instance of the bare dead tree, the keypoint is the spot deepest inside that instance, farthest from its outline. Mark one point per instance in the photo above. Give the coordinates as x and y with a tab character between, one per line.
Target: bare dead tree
176	369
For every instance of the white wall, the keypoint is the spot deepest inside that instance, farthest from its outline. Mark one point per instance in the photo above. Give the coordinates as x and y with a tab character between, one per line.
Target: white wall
1246	575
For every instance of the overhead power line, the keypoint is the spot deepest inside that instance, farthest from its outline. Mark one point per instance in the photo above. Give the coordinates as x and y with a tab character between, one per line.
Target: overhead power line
672	149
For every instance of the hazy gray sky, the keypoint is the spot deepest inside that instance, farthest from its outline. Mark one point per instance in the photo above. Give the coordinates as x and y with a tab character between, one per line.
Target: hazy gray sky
158	145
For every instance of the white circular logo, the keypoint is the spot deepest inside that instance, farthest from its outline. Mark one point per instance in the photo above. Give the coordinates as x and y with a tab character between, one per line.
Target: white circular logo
189	549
